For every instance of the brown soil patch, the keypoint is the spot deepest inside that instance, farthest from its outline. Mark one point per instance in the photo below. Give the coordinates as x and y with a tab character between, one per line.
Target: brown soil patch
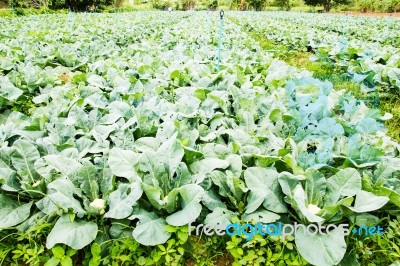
225	260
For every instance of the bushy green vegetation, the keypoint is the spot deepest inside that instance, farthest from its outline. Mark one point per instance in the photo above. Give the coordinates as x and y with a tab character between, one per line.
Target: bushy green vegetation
114	139
377	6
257	5
340	55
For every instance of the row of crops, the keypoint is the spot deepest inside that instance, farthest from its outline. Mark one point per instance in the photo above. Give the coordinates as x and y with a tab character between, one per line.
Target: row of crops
369	54
120	126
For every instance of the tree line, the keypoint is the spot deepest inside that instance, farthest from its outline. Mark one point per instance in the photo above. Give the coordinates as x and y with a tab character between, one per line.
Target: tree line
257	5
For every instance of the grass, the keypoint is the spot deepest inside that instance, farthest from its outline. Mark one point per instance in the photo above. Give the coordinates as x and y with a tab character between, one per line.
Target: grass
302	60
5	13
387	102
391	104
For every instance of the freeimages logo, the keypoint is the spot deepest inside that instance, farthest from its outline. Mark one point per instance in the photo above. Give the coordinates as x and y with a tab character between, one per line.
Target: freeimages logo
279	229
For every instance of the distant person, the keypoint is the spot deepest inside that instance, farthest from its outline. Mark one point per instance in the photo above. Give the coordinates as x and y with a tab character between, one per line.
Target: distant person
169	9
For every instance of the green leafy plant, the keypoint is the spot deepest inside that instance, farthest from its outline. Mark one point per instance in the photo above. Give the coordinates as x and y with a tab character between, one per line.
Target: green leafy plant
376	250
264	251
120	252
61	256
131	135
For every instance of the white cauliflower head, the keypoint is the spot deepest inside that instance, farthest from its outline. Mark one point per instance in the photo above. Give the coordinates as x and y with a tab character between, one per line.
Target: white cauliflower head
314	209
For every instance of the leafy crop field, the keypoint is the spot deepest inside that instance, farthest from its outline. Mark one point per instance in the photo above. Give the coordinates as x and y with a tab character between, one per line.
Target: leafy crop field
369	54
117	132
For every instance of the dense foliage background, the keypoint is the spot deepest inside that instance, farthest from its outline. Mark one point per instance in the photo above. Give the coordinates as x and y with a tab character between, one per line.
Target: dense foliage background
119	130
299	5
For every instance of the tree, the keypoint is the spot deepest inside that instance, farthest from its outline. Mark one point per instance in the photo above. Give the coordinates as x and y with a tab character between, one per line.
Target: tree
213	5
76	5
84	4
283	4
257	5
325	3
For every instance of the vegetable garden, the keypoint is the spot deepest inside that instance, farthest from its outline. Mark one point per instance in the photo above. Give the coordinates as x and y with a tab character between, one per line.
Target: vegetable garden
117	131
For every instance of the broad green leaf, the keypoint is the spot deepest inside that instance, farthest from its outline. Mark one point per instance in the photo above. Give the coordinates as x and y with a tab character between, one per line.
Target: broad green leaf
235	164
154	195
207	165
123	199
345	183
122	162
331	247
86	179
219	216
171	153
150	229
8	177
329	127
392	195
289	182
8	90
264	189
349	260
315	186
147	143
75	234
367	202
229	186
266	161
212	200
328	212
63	164
201	93
261	216
155	172
386	170
23	158
203	167
60	195
365	219
102	132
6	172
192	155
368	125
58	251
12	213
191	196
